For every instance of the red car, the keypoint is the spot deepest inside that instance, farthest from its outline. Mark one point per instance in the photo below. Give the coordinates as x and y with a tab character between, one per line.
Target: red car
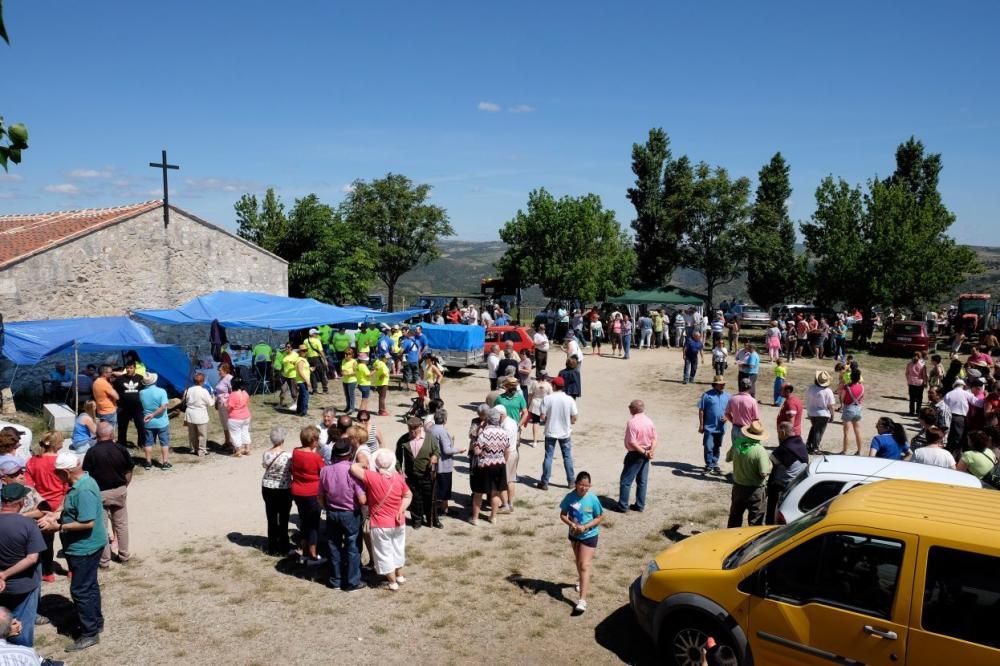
500	335
906	337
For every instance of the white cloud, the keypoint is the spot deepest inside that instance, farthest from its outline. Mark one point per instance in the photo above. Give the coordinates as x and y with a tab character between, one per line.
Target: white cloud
63	188
491	107
90	173
521	108
347	188
213	184
11	176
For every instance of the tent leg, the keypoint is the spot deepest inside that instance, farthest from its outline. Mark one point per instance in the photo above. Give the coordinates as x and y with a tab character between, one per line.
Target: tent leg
76	375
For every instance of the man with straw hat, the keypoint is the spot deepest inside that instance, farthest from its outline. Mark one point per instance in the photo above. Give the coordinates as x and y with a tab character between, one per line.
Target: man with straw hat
751	466
819	409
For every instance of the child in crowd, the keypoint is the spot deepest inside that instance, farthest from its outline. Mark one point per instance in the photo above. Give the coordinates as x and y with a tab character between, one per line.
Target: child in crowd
780	373
720	357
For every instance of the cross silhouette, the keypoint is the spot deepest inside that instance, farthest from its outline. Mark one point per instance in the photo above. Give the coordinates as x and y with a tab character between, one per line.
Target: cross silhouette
166	195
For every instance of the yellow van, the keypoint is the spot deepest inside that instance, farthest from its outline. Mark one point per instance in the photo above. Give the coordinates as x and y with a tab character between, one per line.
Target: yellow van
891	573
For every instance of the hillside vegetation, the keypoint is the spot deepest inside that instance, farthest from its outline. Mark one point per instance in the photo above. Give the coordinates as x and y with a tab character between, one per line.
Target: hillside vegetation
464	263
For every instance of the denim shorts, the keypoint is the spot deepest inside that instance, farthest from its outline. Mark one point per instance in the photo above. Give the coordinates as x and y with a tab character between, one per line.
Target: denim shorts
365	390
153	433
589	543
851	413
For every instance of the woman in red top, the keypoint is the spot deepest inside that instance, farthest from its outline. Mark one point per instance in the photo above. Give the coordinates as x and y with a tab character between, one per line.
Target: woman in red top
306	465
40	474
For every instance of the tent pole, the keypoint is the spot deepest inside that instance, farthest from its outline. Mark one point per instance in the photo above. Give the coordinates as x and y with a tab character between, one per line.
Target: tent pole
76	374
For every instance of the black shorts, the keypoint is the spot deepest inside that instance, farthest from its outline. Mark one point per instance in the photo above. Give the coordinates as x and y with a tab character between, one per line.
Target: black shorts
589	543
536	418
443	486
494	478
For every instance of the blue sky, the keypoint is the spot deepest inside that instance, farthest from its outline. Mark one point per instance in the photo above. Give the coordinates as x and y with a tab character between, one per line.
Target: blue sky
486	101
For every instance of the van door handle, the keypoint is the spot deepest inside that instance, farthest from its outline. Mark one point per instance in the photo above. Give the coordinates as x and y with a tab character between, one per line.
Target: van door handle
887	635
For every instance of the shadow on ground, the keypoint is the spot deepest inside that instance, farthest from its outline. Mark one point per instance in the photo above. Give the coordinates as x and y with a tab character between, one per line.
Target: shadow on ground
60	611
620	634
536	586
690	471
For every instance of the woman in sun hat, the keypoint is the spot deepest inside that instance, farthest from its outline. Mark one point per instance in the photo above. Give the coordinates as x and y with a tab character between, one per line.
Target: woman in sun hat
819	409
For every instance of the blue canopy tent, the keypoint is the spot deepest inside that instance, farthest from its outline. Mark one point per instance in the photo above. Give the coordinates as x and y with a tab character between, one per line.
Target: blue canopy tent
245	309
31	342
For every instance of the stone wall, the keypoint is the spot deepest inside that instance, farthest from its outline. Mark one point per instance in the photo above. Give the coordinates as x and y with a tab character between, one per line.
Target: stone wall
134	265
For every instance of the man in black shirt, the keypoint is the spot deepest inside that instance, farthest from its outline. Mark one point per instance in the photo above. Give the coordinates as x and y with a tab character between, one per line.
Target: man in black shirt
110	465
128	386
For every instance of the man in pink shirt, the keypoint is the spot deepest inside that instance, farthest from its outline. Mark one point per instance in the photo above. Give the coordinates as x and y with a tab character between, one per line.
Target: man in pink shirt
640	444
742	409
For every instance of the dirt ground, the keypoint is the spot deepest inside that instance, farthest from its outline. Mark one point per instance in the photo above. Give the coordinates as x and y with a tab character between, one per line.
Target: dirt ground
199	590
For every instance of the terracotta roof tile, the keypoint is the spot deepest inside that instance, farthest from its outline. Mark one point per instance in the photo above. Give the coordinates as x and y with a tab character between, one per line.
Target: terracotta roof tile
24	235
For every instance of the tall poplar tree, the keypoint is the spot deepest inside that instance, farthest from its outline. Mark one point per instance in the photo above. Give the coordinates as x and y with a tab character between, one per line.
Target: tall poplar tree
773	272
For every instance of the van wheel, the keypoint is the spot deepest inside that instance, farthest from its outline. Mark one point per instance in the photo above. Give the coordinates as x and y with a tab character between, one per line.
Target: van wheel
683	638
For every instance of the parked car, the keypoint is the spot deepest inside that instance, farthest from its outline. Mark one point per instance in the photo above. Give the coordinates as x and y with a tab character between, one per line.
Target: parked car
906	337
829	476
519	335
786	312
892	573
749	316
554	327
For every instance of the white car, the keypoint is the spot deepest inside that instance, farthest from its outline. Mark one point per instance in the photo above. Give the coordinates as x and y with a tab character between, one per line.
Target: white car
829	476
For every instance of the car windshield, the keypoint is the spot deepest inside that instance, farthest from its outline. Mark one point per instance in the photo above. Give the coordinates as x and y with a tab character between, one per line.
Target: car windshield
908	329
973	306
755	311
768	540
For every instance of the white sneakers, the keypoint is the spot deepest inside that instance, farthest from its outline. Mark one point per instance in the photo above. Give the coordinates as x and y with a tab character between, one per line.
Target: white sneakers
581	606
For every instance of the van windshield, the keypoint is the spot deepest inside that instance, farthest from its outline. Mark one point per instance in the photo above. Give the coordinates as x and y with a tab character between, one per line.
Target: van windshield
768	540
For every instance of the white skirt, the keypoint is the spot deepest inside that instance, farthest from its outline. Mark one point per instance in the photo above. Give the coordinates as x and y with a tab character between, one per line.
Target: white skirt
389	546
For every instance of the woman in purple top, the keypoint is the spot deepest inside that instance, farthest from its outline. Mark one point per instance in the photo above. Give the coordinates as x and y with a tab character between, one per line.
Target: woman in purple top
222	390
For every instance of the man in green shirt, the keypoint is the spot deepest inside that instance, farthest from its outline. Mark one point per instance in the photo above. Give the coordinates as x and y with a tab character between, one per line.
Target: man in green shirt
80	524
751	466
289	384
262	354
316	357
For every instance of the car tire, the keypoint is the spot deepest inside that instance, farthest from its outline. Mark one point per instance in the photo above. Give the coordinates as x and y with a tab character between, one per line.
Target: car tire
685	633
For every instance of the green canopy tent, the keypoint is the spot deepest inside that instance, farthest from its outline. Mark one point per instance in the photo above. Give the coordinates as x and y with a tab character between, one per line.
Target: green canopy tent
669	295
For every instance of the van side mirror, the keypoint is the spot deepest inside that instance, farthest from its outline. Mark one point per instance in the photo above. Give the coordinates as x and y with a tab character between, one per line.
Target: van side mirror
755	584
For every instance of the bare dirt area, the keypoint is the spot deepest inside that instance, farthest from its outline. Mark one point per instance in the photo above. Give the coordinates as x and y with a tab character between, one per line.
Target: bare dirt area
199	590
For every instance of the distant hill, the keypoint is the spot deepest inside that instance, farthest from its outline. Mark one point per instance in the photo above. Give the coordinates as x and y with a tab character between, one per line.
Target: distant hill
464	263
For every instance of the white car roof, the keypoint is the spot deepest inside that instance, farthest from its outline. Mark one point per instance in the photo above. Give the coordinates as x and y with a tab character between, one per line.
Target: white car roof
880	468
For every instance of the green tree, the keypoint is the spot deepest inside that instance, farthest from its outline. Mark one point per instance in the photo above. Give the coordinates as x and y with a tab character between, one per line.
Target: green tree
263	223
660	197
13	138
403	227
888	246
771	262
571	247
328	259
714	244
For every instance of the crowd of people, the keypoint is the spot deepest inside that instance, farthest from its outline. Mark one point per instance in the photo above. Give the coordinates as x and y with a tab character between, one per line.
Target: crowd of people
356	494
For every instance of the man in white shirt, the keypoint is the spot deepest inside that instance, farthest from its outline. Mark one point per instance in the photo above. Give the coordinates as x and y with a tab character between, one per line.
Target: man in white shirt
541	350
559	414
819	409
10	654
958	401
934	453
492	361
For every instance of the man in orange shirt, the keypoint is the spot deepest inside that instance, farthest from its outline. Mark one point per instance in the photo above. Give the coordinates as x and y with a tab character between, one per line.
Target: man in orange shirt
105	396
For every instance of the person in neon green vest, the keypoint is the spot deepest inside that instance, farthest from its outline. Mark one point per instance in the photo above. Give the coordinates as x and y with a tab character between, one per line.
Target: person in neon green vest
316	356
262	354
340	341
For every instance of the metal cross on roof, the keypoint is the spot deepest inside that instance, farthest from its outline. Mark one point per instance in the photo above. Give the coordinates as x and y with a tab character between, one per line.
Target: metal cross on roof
166	195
